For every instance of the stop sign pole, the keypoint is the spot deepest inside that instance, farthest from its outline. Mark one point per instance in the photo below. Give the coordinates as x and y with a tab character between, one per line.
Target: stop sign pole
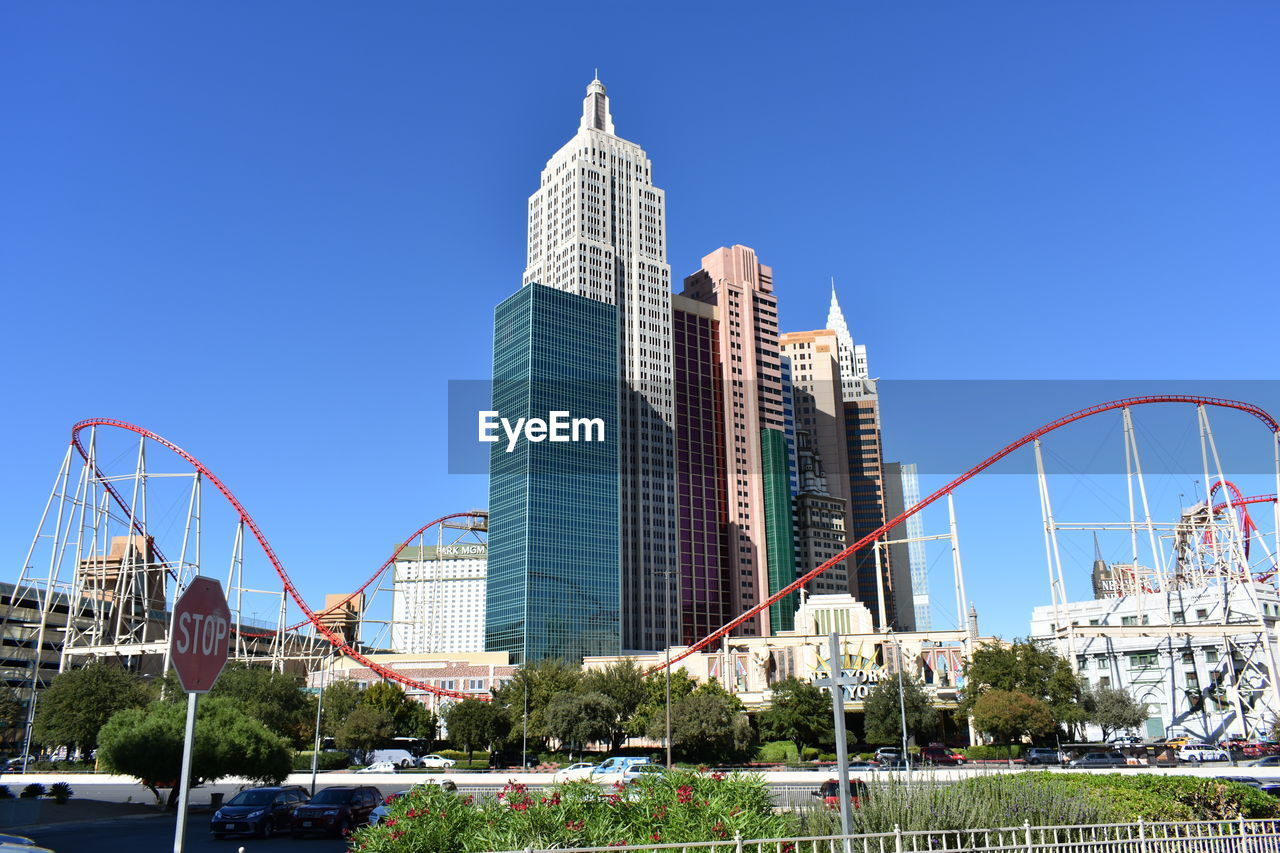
198	644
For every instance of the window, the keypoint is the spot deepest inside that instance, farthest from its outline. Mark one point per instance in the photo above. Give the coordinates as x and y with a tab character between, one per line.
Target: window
1141	661
1211	655
1201	613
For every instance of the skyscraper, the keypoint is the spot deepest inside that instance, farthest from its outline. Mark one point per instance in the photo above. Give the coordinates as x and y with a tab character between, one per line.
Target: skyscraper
822	512
597	228
760	557
552	587
866	467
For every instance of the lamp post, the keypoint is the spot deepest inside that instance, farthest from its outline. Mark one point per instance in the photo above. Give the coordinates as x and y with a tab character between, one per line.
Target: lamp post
902	706
315	754
667	669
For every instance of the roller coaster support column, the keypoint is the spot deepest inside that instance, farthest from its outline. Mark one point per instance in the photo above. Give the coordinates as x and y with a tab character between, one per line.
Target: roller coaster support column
1051	526
962	601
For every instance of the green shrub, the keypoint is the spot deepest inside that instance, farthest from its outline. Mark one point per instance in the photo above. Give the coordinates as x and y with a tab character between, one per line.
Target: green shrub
992	753
5	793
328	760
35	789
992	800
677	807
461	755
61	792
810	753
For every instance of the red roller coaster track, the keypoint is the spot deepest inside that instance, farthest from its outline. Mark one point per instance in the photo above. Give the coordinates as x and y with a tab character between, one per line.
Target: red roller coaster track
333	638
1126	402
338	643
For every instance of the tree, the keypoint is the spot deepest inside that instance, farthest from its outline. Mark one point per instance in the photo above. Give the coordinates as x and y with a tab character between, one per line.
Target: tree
799	712
13	712
364	729
273	698
79	702
1114	710
423	723
537	683
882	711
708	724
1008	715
339	699
577	719
654	705
472	723
1026	667
391	700
147	743
624	684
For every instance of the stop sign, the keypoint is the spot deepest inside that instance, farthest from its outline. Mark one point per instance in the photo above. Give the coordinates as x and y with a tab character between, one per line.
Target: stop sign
201	634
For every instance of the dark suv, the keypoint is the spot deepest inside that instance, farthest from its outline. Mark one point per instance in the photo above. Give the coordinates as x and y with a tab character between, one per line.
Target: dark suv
336	810
258	811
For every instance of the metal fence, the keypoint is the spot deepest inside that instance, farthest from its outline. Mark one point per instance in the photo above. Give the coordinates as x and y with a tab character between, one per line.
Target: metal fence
1218	836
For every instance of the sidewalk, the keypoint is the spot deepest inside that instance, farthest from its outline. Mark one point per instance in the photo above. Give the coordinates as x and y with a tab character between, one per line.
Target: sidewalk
86	811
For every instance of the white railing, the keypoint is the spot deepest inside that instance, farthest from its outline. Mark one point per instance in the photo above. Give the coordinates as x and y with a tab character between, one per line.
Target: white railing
1216	836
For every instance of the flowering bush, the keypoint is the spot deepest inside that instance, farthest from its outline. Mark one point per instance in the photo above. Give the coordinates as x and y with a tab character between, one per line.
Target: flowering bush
676	807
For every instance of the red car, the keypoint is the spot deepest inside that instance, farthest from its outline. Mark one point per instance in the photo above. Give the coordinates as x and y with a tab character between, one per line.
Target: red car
336	810
830	792
941	756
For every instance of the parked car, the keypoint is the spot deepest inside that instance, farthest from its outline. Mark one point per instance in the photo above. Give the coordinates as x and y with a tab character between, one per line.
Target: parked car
1269	761
581	770
335	810
380	767
385	806
401	757
1198	752
888	753
1179	741
626	773
617	762
258	811
1243	780
830	792
20	844
1126	740
437	762
893	763
941	756
1100	759
1037	755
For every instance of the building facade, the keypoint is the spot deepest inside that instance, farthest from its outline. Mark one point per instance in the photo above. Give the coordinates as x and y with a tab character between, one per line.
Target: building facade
597	229
706	594
1200	658
439	598
869	579
907	558
552	588
753	434
822	512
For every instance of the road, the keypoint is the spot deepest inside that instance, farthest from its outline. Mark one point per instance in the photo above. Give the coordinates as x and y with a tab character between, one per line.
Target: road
155	835
145	835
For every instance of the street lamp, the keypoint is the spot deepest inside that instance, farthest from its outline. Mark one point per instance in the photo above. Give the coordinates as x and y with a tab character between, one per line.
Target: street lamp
315	754
902	704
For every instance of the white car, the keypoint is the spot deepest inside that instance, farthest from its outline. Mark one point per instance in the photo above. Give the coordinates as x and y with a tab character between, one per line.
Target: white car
381	767
439	762
1198	752
581	770
629	773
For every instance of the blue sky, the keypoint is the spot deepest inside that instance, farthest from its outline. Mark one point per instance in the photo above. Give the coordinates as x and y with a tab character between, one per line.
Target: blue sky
273	232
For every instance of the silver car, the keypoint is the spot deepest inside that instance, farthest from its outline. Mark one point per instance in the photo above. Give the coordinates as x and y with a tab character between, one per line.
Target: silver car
1100	759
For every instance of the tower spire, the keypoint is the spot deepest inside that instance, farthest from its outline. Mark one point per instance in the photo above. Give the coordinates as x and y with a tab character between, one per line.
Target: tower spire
595	108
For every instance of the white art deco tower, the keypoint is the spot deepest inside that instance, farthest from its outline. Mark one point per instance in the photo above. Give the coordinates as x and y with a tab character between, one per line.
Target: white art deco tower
597	228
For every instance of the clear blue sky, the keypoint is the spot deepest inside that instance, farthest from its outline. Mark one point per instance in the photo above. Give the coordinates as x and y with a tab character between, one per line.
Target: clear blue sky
273	232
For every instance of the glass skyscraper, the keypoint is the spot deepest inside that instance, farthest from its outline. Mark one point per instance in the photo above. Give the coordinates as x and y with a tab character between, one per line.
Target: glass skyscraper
553	581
